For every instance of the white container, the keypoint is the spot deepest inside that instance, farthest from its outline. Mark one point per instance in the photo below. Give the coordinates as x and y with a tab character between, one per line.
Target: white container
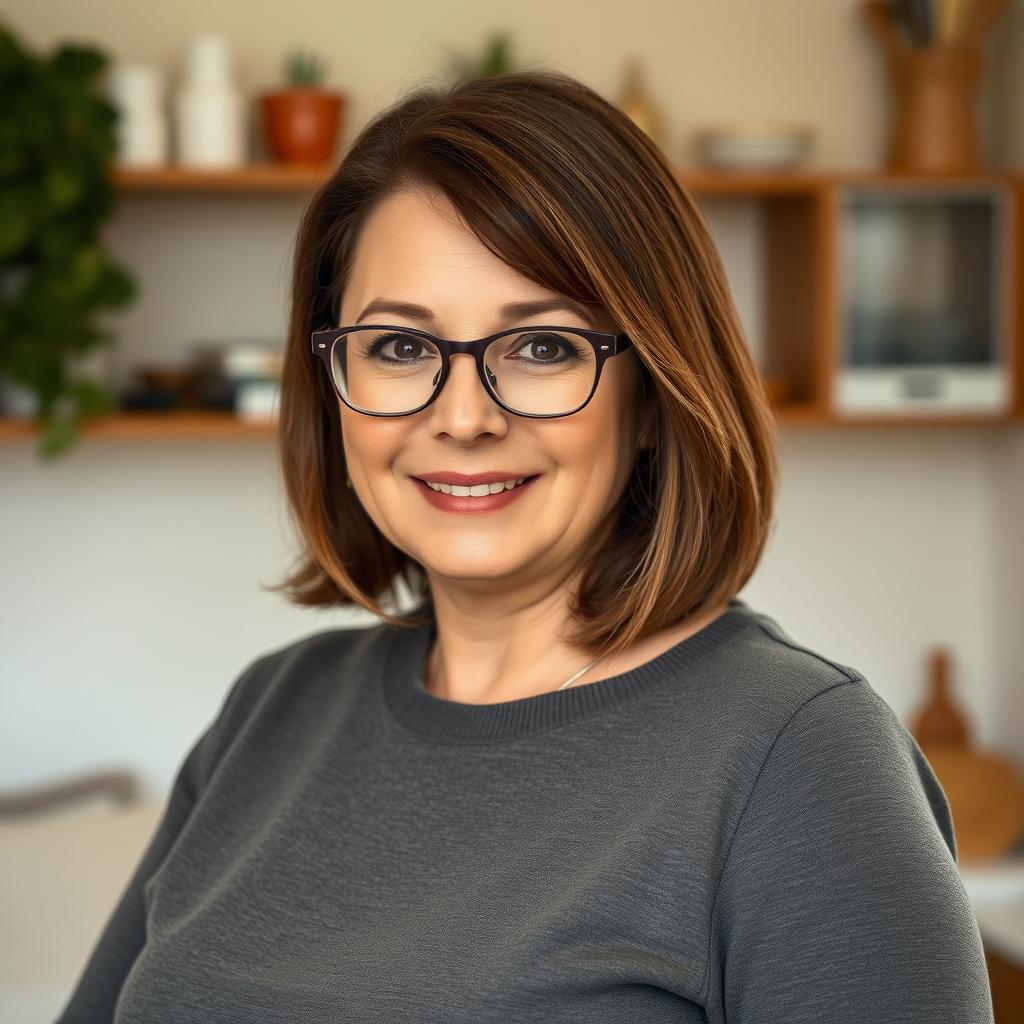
16	400
209	108
755	145
142	129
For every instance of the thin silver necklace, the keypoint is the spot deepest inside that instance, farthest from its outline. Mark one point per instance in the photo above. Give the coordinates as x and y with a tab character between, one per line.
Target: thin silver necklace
572	679
576	676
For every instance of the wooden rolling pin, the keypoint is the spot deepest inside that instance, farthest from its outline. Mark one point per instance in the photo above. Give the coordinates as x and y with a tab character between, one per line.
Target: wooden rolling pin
985	790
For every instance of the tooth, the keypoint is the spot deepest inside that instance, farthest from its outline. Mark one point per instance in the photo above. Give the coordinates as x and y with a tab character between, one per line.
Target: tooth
477	490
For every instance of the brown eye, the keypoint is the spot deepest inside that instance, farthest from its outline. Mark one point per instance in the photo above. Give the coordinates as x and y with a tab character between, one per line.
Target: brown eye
546	347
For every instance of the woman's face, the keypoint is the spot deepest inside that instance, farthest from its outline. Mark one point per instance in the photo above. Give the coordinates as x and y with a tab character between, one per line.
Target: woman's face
414	248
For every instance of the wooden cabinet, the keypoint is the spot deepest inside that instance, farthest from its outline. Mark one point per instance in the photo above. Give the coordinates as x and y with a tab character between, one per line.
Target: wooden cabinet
888	300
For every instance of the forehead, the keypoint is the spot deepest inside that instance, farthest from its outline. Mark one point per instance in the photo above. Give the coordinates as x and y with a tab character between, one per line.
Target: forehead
415	246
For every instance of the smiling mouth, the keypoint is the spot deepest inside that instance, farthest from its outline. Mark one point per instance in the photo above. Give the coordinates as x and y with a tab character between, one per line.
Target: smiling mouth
477	490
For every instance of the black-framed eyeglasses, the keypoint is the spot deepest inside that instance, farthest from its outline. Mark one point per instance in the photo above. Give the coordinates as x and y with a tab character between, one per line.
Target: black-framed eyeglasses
541	372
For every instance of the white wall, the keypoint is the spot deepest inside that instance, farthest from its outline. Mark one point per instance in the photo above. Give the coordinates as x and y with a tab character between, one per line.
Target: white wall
131	571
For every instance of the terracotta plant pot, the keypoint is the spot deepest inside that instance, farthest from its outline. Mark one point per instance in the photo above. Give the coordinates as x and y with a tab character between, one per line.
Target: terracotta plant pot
302	124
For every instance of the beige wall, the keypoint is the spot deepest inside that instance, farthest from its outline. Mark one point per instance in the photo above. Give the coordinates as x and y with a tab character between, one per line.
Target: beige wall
807	60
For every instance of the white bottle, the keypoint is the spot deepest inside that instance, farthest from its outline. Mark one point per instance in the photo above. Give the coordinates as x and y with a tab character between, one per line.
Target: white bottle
209	107
136	91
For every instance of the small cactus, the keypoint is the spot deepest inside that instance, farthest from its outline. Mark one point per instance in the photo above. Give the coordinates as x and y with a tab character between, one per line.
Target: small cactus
496	59
304	68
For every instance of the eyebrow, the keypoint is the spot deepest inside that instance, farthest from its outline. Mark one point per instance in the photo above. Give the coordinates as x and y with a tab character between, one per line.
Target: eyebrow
510	311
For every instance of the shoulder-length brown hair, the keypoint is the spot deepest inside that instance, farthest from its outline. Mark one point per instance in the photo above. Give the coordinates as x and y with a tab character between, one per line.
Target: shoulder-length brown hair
564	188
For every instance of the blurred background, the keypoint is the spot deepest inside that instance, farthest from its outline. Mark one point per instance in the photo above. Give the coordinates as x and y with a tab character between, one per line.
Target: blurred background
861	167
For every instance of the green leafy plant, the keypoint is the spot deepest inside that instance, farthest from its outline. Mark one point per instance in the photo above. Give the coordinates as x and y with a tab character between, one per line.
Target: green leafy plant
304	68
57	144
496	59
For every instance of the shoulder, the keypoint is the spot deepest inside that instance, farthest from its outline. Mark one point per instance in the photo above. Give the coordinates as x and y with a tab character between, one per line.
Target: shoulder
301	676
828	770
313	649
813	741
339	656
764	676
305	676
794	717
782	665
838	839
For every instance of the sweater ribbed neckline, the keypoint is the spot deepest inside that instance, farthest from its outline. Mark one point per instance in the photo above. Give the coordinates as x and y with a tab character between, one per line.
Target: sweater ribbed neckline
448	721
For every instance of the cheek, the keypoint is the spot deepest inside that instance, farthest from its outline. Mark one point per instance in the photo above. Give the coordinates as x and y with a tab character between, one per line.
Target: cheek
370	442
589	450
600	435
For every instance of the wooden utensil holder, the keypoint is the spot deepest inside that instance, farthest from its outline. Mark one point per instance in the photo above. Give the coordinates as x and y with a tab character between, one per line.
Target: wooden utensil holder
933	126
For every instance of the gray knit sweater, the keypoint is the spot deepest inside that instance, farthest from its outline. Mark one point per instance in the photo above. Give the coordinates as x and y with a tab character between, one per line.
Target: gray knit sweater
738	830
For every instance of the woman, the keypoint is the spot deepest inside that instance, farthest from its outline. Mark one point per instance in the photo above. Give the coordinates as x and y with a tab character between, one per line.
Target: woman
581	780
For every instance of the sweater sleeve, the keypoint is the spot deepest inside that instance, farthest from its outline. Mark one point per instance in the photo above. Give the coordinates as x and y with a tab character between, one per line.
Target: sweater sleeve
840	898
95	995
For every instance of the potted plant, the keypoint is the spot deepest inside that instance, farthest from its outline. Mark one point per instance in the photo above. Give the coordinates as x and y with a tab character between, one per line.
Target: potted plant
496	59
55	274
302	121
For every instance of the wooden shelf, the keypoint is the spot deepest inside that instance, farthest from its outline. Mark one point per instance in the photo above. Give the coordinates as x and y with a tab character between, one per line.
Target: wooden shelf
767	183
198	425
805	416
254	178
147	426
272	177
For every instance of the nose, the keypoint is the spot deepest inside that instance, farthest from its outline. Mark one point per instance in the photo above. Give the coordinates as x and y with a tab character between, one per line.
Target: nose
464	406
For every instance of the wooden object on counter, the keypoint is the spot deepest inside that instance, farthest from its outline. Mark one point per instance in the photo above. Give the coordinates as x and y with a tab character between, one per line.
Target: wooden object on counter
1006	981
985	790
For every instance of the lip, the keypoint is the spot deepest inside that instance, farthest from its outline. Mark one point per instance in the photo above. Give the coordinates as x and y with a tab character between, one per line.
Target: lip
470	479
470	504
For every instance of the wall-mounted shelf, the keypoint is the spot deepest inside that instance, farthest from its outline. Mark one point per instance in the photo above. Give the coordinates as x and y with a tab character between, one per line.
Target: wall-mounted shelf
197	425
148	426
256	178
803	235
271	177
938	254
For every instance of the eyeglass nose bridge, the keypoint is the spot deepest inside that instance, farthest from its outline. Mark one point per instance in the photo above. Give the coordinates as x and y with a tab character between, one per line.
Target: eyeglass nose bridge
605	347
476	349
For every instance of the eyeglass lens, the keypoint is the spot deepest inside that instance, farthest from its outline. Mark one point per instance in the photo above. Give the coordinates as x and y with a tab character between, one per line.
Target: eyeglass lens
535	372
